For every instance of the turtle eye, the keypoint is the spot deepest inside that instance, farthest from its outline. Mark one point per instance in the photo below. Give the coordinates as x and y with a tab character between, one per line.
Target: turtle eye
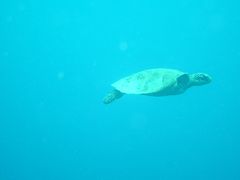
201	77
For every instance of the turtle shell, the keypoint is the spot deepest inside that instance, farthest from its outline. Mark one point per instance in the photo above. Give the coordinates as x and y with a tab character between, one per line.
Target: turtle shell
148	81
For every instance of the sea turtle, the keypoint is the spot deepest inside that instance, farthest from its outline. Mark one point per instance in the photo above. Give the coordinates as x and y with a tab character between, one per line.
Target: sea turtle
156	82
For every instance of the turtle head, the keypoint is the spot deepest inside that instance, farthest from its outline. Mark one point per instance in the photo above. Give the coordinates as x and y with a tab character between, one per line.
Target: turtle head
198	79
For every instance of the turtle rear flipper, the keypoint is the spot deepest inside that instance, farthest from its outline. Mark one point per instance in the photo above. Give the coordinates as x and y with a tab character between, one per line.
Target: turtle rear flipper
113	95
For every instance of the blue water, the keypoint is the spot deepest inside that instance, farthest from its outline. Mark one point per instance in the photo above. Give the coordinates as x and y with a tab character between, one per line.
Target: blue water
57	61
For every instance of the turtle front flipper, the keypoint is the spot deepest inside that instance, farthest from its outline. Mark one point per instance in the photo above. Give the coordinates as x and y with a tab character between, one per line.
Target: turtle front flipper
113	95
183	81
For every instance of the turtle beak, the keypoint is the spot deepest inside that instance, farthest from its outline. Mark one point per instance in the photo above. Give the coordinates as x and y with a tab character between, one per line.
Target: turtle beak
202	78
208	78
205	78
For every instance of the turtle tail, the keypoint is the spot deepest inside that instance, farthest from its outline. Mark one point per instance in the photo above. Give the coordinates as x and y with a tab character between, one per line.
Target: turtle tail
113	95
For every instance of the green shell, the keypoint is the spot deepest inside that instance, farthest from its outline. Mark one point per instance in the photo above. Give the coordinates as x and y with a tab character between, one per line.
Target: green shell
148	81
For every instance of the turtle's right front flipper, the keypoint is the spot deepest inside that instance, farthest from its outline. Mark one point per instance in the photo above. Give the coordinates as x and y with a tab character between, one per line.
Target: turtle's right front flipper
113	95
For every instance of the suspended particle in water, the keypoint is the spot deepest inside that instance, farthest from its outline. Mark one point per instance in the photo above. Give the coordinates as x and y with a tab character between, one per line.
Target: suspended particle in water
94	64
9	19
123	46
5	54
60	75
21	7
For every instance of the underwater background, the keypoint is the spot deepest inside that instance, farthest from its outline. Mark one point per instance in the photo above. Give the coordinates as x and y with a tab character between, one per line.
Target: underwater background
58	60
